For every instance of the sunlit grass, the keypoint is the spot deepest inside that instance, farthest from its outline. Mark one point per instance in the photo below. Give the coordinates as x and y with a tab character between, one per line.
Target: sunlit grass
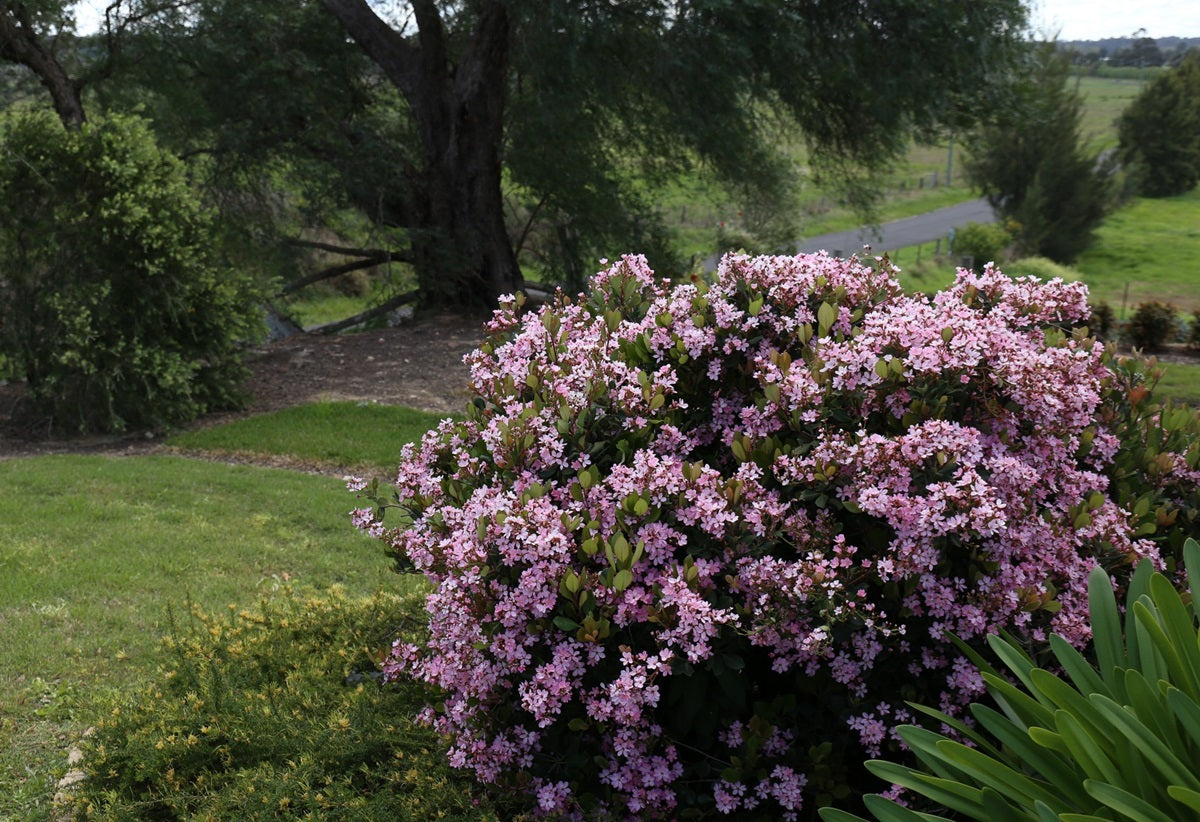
1147	251
337	434
93	551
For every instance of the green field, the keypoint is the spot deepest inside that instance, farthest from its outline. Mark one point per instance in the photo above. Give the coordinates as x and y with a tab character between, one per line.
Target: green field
1147	251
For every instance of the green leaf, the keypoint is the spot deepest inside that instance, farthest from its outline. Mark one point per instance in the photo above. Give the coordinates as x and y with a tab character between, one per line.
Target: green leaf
1082	674
947	792
1087	751
1056	770
1151	747
1139	586
826	317
1064	696
1125	803
1015	659
1018	705
1185	795
992	773
1187	711
1106	625
835	815
623	579
1150	708
1191	559
1174	634
565	623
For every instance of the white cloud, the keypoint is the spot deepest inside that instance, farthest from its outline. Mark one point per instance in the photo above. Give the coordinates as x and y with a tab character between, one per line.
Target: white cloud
1097	19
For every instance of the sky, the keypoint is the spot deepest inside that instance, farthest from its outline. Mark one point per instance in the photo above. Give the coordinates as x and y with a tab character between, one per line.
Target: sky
1070	19
1097	19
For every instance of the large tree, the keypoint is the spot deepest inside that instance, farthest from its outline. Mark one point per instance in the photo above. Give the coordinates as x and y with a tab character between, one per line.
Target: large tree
477	130
1034	166
575	97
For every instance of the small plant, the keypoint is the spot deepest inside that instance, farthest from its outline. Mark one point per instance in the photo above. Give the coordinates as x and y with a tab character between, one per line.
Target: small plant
1153	325
274	712
1194	333
1119	739
695	544
984	243
1103	321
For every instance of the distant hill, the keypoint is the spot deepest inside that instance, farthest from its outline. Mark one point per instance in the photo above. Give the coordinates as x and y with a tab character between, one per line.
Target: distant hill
1112	45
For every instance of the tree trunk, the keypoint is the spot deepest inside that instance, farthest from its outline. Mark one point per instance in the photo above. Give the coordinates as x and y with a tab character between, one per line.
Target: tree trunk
19	43
461	249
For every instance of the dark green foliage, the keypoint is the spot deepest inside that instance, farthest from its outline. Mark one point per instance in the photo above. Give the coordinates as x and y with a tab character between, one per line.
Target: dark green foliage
1116	737
1152	325
1159	447
1193	341
1160	132
1032	164
612	100
1103	323
275	712
983	242
112	303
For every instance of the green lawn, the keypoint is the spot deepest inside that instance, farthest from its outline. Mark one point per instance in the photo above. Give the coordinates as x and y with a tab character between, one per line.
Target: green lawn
93	551
1147	251
1181	382
364	436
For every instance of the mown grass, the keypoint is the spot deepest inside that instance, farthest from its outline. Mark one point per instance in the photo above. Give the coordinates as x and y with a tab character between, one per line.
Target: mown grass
1147	251
94	550
345	434
1180	382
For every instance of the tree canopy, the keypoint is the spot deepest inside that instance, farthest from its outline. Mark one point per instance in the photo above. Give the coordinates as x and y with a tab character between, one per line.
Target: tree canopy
483	136
1032	163
1160	132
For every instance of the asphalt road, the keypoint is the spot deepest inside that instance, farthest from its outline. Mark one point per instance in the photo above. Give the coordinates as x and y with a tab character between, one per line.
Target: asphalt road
924	228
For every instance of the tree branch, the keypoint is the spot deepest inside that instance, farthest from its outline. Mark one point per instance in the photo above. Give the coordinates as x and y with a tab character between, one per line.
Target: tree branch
384	254
379	310
398	58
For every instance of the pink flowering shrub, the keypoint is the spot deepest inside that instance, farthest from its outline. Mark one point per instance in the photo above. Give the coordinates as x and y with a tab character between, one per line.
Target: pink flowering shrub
696	545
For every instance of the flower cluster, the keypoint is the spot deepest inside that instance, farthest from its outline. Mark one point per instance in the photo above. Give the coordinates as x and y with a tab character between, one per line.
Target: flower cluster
693	541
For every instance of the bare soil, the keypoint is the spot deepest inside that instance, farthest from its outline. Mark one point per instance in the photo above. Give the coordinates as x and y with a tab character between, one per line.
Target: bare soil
419	364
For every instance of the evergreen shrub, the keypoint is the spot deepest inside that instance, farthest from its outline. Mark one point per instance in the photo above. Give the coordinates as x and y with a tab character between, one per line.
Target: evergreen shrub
271	712
1152	325
696	546
113	305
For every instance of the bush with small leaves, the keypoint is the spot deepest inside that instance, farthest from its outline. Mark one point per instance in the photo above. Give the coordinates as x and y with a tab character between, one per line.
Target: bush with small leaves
275	712
1152	325
695	546
112	304
1115	739
983	242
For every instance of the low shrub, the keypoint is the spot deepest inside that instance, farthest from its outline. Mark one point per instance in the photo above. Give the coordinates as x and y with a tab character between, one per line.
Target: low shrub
1194	332
695	546
1152	325
1103	321
1115	740
274	712
1154	471
112	304
983	242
